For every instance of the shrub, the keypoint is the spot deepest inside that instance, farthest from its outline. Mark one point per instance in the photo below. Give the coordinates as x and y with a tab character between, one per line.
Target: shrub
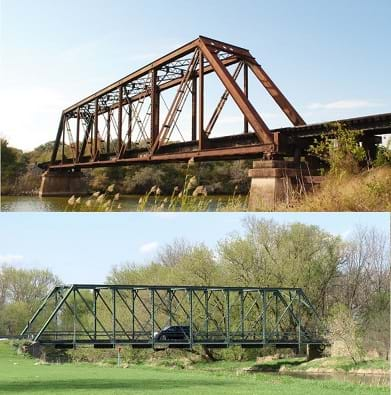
344	333
383	155
340	149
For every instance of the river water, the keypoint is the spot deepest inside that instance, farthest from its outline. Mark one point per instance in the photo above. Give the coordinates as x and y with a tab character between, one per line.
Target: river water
35	203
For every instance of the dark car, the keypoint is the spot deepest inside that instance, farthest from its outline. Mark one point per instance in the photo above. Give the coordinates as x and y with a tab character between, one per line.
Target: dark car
173	333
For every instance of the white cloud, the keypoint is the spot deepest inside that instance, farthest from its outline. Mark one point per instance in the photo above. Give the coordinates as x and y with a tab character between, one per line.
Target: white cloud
11	259
343	105
147	248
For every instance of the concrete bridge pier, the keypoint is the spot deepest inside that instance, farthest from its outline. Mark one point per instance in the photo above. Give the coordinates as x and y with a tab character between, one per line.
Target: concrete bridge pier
314	351
276	181
63	183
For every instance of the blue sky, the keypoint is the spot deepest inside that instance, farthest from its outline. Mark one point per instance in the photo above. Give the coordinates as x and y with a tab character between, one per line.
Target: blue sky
82	248
330	58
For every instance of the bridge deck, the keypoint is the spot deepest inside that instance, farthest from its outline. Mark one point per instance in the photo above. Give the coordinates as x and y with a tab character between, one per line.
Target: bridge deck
240	146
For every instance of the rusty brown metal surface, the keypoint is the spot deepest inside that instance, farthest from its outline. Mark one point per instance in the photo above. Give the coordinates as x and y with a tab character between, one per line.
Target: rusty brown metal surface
277	95
130	121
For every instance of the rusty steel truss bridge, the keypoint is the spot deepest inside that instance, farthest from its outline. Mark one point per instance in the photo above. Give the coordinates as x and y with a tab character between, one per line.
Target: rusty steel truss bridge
216	317
130	122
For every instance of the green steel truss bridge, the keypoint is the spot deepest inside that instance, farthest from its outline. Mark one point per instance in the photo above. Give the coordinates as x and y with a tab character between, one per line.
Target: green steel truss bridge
216	317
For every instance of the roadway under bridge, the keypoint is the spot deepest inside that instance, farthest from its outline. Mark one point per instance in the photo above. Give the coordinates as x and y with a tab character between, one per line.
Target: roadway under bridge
216	317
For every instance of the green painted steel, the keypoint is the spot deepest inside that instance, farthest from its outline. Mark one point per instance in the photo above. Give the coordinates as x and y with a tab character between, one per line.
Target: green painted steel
107	315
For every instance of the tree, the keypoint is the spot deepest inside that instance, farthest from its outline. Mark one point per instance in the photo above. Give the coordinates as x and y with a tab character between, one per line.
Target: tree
143	180
13	164
344	330
365	270
294	255
21	291
42	153
376	321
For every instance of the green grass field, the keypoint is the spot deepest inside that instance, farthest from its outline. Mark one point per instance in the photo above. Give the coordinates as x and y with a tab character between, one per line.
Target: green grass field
20	374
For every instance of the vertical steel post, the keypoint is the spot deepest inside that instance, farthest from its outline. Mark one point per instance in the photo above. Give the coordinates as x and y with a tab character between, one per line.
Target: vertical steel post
63	141
96	132
108	131
201	134
155	107
56	316
120	99
227	320
133	319
206	313
264	317
191	316
94	310
170	306
58	140
242	313
153	316
114	315
299	321
276	313
129	134
245	90
194	109
78	134
74	317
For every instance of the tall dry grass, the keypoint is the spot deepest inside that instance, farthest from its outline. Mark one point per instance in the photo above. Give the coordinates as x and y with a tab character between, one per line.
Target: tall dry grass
369	190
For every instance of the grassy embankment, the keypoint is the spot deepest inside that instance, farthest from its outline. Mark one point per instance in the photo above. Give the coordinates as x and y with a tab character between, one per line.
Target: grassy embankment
367	191
325	365
21	374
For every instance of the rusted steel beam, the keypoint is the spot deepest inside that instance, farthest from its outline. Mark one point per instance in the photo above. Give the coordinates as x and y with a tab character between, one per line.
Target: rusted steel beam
58	139
290	138
77	133
129	132
96	131
211	154
276	94
245	90
108	122
63	142
201	132
119	126
194	108
217	45
373	122
155	108
237	94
